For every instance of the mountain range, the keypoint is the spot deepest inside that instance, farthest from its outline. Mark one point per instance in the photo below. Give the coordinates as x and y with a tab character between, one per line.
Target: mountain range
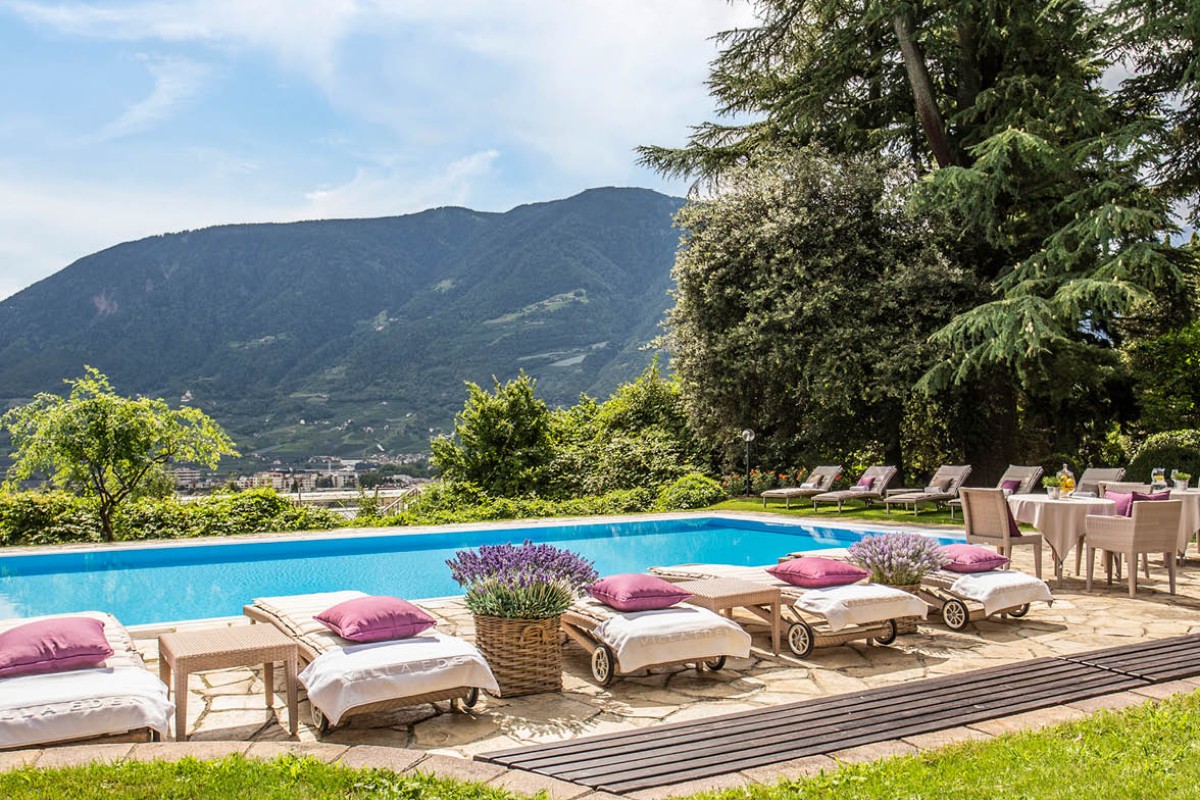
354	337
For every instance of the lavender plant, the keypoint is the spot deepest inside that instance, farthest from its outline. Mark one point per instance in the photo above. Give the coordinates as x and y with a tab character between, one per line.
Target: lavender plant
526	581
900	559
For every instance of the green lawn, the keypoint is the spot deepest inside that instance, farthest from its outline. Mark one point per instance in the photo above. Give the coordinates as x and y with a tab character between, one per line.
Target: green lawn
1151	751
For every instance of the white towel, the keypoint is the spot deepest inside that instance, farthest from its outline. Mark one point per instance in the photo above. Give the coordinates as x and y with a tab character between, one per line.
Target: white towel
861	604
80	704
999	589
342	678
679	633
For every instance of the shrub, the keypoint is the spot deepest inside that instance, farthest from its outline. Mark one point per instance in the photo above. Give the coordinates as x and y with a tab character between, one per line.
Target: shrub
36	518
1170	450
690	491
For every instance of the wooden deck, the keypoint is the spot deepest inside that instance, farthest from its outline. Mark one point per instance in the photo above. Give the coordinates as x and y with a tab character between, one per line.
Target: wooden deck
673	753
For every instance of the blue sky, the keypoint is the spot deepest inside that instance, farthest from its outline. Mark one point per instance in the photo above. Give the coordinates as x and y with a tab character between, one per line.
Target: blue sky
120	120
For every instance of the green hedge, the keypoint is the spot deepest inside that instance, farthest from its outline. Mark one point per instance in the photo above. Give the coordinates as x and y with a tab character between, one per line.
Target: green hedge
450	502
1170	450
37	518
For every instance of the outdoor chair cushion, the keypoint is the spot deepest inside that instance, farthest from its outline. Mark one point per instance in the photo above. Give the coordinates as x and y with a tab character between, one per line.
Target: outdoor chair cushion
637	592
375	619
939	485
1139	497
53	645
864	484
1010	486
1124	502
814	572
964	558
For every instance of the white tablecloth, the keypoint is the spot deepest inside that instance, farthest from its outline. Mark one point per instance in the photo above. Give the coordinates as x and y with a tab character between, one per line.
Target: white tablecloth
1061	522
1189	521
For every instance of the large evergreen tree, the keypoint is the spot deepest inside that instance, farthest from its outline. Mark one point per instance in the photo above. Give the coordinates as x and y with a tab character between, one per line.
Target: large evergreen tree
1023	153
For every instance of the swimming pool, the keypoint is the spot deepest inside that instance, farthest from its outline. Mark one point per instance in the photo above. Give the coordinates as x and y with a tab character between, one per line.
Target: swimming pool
167	582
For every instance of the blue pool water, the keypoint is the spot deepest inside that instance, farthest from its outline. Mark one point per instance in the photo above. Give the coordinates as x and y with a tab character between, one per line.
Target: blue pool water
166	583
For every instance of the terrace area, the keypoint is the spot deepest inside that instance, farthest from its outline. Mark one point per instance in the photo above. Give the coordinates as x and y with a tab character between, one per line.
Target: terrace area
227	711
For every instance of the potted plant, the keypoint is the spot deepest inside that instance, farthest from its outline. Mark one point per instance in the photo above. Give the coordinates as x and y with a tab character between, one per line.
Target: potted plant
899	560
517	594
1052	484
1181	480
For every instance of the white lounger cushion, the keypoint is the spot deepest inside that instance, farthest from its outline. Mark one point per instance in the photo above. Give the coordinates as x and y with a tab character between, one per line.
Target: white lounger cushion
999	589
861	604
340	679
346	674
642	639
119	696
857	604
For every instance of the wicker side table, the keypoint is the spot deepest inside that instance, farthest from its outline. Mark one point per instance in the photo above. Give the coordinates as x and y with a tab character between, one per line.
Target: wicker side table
722	595
184	652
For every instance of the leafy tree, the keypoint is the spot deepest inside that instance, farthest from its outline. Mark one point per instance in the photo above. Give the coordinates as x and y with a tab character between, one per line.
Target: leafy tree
1161	42
1037	170
639	437
805	299
501	441
97	443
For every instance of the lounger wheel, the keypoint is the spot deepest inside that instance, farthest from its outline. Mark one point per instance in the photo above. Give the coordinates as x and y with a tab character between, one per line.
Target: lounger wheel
890	636
715	664
472	697
801	639
603	665
955	615
320	721
1019	611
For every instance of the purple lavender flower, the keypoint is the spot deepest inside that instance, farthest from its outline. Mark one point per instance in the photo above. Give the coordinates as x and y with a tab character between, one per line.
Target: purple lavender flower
526	581
900	559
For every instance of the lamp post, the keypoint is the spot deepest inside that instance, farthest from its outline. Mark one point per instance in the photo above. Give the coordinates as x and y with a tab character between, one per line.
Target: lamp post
748	437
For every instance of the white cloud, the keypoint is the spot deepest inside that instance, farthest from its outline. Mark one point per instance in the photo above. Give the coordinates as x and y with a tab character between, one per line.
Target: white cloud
393	190
303	34
175	81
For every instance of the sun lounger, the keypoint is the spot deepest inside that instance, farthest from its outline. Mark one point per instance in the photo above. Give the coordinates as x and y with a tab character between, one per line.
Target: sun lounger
344	678
1025	478
880	477
1089	482
820	617
821	480
962	598
119	698
943	487
624	642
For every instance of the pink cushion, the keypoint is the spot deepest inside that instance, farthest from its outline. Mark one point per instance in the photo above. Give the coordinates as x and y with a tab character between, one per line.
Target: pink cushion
1013	530
865	482
636	592
1011	486
814	572
375	619
1124	502
970	558
53	645
1139	497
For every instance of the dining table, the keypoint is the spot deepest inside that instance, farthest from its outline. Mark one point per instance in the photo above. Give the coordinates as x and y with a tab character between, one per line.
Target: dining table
1189	520
1062	521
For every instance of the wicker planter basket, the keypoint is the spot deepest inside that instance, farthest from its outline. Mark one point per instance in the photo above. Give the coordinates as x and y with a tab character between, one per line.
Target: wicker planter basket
907	624
525	654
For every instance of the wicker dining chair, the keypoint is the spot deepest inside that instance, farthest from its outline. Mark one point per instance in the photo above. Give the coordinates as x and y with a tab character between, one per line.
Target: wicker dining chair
988	521
1152	528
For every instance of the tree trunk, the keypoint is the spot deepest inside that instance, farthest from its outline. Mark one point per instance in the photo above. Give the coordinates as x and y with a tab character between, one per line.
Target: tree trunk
106	529
990	441
922	88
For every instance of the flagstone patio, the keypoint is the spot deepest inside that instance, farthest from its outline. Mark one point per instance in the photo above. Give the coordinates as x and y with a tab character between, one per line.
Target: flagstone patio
229	705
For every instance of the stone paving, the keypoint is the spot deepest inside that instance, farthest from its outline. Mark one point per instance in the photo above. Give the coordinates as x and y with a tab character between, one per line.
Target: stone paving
226	709
229	705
